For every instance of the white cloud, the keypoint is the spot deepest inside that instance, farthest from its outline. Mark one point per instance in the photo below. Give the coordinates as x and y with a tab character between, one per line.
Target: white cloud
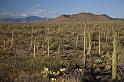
33	12
4	14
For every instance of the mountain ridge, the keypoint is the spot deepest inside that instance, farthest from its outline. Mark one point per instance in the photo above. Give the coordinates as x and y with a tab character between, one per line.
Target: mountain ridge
27	19
83	16
80	17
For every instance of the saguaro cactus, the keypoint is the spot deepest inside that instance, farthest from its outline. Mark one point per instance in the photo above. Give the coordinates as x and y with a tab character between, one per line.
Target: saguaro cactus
31	44
107	35
89	43
77	42
99	43
114	57
48	42
84	44
58	47
48	47
59	41
34	48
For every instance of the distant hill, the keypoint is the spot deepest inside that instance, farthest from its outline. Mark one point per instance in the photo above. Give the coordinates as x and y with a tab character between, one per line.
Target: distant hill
83	17
23	20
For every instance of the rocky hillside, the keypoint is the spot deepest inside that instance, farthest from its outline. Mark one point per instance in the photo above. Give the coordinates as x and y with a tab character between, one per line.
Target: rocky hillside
81	17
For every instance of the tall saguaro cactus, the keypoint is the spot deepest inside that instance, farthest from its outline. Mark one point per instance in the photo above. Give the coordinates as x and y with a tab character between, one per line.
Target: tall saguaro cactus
107	35
48	47
48	42
84	45
34	48
59	41
99	43
114	57
58	46
77	42
89	43
31	44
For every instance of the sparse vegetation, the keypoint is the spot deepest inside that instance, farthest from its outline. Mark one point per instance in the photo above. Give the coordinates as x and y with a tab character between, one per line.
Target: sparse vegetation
37	52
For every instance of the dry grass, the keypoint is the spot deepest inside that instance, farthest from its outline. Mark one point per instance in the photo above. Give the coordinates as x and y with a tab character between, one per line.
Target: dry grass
27	48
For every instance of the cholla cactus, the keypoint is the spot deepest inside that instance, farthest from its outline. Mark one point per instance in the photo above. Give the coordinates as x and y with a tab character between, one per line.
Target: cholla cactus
62	69
53	79
45	71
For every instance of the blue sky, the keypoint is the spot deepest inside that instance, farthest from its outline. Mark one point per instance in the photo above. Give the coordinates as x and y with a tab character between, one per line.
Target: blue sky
53	8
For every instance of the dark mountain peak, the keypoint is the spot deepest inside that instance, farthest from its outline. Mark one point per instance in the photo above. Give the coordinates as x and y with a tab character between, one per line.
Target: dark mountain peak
104	15
64	15
85	13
